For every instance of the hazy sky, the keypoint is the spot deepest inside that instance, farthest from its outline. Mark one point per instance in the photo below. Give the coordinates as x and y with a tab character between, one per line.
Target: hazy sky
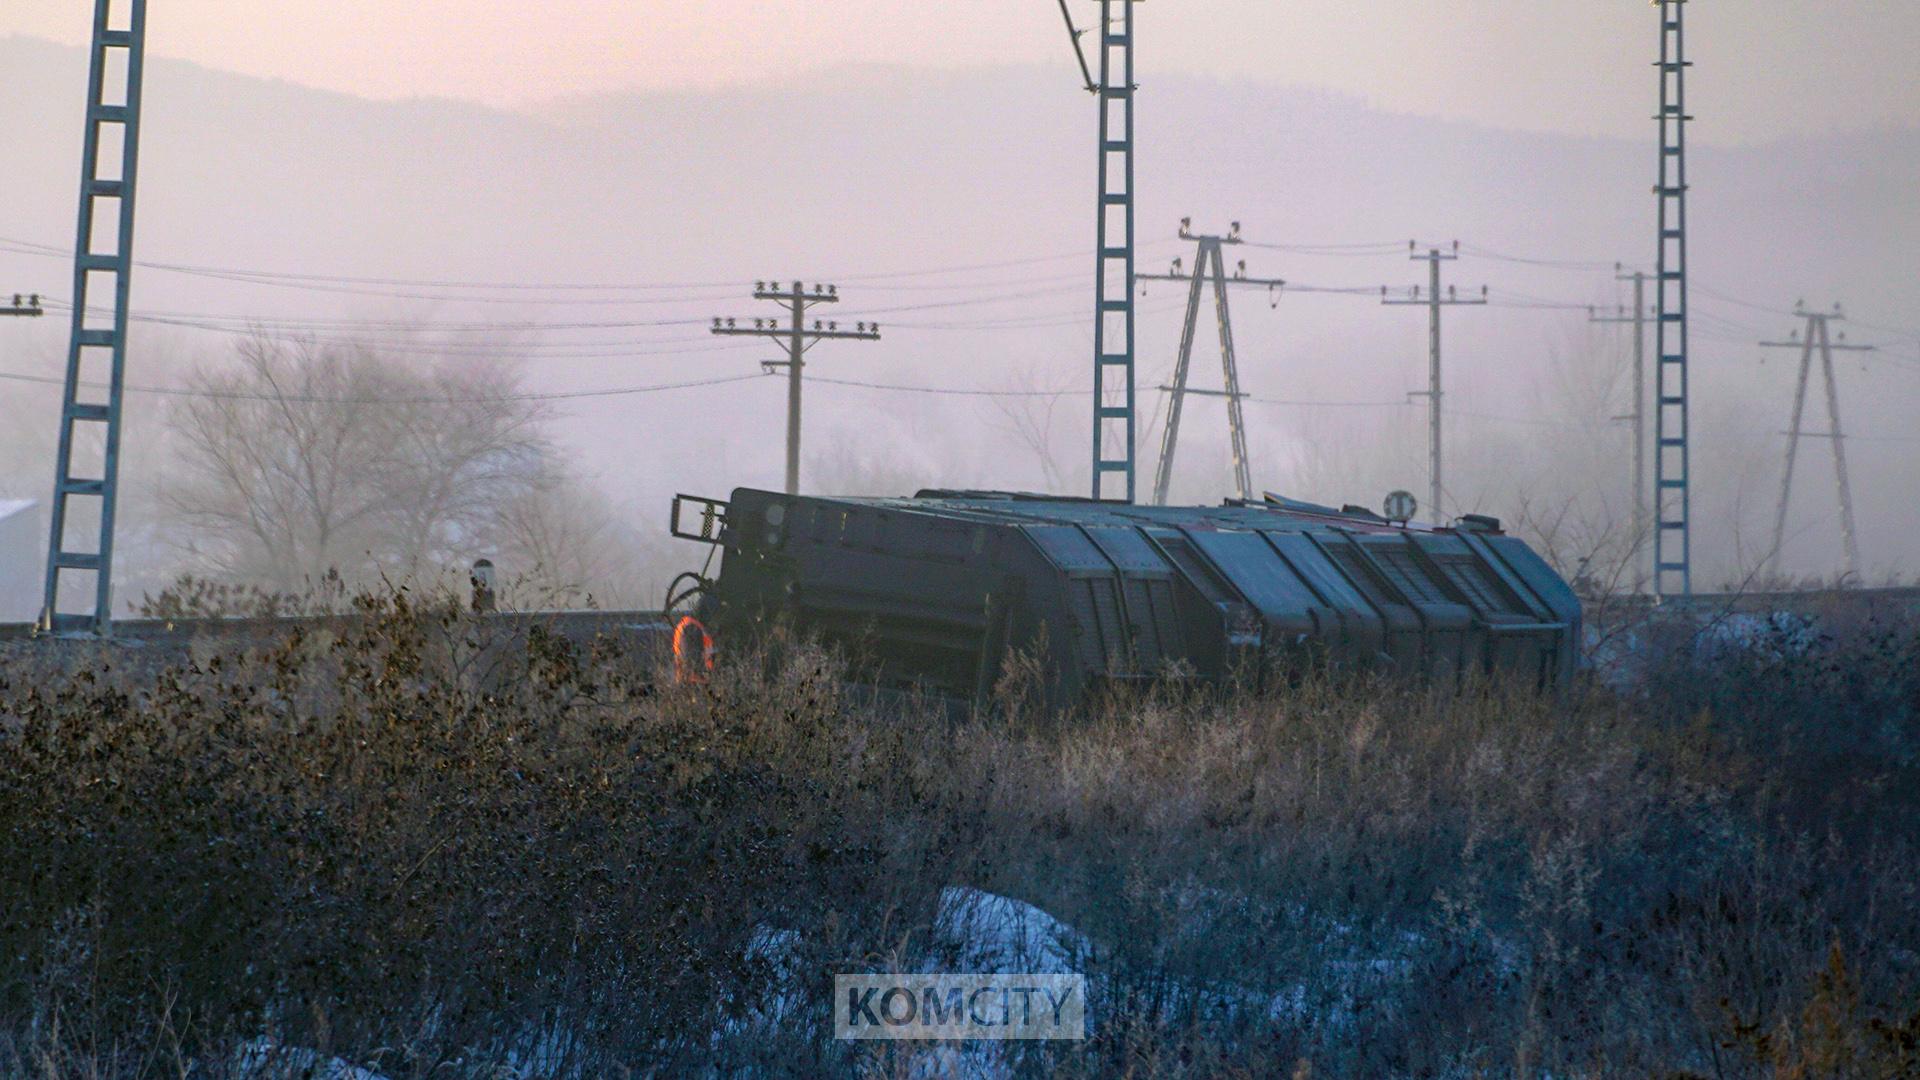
1766	67
886	174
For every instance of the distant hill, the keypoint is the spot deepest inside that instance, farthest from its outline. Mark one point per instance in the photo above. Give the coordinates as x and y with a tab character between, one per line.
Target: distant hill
870	171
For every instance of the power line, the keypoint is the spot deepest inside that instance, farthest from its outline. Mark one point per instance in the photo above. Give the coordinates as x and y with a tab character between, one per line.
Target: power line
1364	248
941	391
997	298
1767	308
1900	331
1344	290
961	391
931	305
1036	321
1493	300
294	278
310	399
971	267
28	247
946	391
1373	249
1291	403
1585	266
958	391
244	276
536	350
211	319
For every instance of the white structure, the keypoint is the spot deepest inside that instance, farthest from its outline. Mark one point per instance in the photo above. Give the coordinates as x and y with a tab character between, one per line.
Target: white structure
21	540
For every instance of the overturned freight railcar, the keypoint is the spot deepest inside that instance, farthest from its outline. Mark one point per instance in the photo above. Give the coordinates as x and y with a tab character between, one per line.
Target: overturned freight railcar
936	589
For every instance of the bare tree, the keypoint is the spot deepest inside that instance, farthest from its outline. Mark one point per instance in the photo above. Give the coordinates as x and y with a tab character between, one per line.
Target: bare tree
463	450
844	464
557	538
1026	412
310	457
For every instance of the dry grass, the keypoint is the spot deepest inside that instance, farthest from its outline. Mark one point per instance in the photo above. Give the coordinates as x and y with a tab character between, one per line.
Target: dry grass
428	848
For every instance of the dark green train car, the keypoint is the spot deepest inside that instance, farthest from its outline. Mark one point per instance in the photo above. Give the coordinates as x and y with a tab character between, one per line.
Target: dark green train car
937	588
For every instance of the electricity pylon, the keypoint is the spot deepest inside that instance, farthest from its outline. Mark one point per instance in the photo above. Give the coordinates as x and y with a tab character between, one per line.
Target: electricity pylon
1113	405
1642	516
106	185
1817	335
1433	302
1209	266
1672	464
798	338
27	306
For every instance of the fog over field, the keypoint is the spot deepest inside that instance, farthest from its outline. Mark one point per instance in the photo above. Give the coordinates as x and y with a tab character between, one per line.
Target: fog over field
954	206
1241	790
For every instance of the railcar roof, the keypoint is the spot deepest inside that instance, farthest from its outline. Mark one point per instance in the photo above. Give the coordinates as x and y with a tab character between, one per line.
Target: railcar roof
1024	507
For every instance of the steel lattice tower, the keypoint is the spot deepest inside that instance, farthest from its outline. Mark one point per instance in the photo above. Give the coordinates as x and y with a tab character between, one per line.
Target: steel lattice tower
1113	325
1673	509
108	169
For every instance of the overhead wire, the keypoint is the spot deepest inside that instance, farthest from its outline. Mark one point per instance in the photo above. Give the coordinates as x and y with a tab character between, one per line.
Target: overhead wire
960	391
346	331
241	395
338	282
1578	265
422	346
1358	250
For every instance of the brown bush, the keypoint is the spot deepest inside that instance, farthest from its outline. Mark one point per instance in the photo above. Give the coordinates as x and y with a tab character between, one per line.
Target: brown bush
429	845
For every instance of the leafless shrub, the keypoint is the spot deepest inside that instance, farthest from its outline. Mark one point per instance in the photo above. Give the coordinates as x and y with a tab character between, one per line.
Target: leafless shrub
415	840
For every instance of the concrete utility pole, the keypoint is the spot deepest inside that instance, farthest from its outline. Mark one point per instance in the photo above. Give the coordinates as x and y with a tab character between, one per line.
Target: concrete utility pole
1817	333
1638	417
28	306
798	338
1433	301
1209	266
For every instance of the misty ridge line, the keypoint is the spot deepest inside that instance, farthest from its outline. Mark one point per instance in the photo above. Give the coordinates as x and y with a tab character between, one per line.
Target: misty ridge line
582	110
715	283
243	174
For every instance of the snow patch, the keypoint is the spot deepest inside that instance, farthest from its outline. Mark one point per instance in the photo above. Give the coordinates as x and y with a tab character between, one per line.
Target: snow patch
266	1059
993	933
